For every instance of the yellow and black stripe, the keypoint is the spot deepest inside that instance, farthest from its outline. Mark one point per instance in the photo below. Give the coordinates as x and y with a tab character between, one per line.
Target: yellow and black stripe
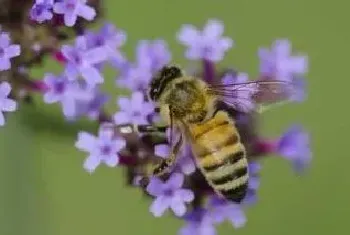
221	156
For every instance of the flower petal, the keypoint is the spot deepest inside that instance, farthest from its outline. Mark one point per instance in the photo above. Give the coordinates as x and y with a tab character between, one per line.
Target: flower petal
86	12
178	207
121	118
111	161
2	119
86	141
9	105
185	194
70	19
137	100
162	150
92	76
213	29
4	40
12	51
50	98
175	181
5	89
119	144
91	163
5	64
123	103
96	55
59	8
155	187
159	206
188	35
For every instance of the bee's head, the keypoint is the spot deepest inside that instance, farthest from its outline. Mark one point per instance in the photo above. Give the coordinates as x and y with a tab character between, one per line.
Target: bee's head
162	79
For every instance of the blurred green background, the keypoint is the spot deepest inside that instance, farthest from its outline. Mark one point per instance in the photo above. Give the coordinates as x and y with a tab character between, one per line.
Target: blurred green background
44	189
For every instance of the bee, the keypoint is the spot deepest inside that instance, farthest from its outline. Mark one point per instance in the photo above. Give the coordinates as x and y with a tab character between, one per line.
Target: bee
193	108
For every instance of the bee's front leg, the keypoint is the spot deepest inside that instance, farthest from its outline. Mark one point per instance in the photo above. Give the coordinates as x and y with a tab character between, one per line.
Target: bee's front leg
141	129
165	164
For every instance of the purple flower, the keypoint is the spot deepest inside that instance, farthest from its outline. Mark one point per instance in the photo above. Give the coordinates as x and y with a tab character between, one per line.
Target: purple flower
169	195
150	57
71	9
93	108
103	148
134	110
294	146
156	53
42	10
208	44
185	162
199	222
135	77
298	94
278	63
112	39
7	51
222	210
6	104
81	60
67	93
254	170
162	150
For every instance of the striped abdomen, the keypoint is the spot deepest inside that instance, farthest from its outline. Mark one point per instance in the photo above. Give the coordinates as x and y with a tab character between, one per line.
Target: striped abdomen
221	156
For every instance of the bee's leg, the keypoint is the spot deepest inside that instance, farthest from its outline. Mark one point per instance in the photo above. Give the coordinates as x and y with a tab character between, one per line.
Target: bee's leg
162	167
142	129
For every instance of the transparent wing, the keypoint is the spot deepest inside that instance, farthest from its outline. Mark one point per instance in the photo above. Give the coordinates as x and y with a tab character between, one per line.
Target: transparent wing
253	95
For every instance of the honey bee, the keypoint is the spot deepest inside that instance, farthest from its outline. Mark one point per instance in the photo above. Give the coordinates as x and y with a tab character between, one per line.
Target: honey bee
191	106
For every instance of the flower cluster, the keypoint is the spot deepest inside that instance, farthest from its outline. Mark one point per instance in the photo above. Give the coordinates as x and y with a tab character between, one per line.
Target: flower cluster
184	190
43	10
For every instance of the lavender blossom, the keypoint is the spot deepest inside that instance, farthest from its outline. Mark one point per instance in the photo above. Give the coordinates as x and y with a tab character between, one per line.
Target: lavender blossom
294	146
92	109
156	53
103	148
71	9
208	44
7	51
222	210
67	93
162	150
185	162
299	92
111	39
278	63
150	56
134	110
42	10
199	222
6	104
81	61
169	195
